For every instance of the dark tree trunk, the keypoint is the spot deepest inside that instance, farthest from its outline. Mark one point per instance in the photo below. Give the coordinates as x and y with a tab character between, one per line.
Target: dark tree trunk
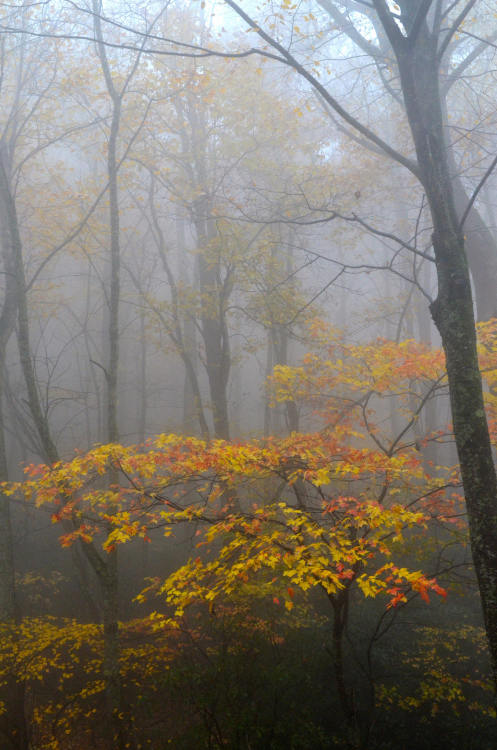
13	722
115	277
452	310
7	323
213	320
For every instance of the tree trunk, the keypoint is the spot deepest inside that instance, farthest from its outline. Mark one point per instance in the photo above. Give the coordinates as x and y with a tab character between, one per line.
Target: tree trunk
115	277
214	290
182	332
7	323
213	320
47	447
13	721
106	568
453	314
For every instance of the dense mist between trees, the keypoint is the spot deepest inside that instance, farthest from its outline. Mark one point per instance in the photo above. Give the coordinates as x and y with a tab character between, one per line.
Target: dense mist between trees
248	375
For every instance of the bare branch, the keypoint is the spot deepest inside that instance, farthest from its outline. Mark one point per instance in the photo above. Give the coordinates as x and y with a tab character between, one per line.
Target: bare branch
453	29
476	191
289	59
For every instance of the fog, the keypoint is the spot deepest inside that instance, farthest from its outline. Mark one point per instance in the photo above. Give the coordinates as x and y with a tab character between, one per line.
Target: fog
248	493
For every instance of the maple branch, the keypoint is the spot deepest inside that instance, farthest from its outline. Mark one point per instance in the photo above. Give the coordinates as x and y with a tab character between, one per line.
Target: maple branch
97	364
350	267
415	415
204	51
332	216
453	29
455	75
364	407
390	236
37	149
348	28
314	298
476	191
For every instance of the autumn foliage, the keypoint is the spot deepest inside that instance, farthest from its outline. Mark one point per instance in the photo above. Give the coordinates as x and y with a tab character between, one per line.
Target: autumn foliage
347	511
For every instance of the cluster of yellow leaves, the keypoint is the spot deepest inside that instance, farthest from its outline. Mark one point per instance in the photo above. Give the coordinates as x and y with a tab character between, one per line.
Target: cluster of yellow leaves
273	518
249	497
440	687
326	508
156	477
59	664
347	383
278	545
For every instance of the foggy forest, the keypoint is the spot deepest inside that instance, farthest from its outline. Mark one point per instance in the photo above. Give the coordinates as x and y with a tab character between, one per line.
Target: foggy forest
248	374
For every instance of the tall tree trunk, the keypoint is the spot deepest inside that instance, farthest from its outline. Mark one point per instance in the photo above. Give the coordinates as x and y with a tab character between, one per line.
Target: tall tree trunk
112	366
213	319
452	310
106	568
181	333
214	291
13	722
270	415
278	344
48	448
142	381
7	322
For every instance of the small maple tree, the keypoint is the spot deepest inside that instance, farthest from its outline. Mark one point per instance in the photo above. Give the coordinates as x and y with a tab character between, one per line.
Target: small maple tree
336	510
324	509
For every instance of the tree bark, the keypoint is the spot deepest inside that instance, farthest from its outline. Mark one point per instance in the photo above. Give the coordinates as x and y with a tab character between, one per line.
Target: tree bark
7	324
106	569
214	326
452	310
13	721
